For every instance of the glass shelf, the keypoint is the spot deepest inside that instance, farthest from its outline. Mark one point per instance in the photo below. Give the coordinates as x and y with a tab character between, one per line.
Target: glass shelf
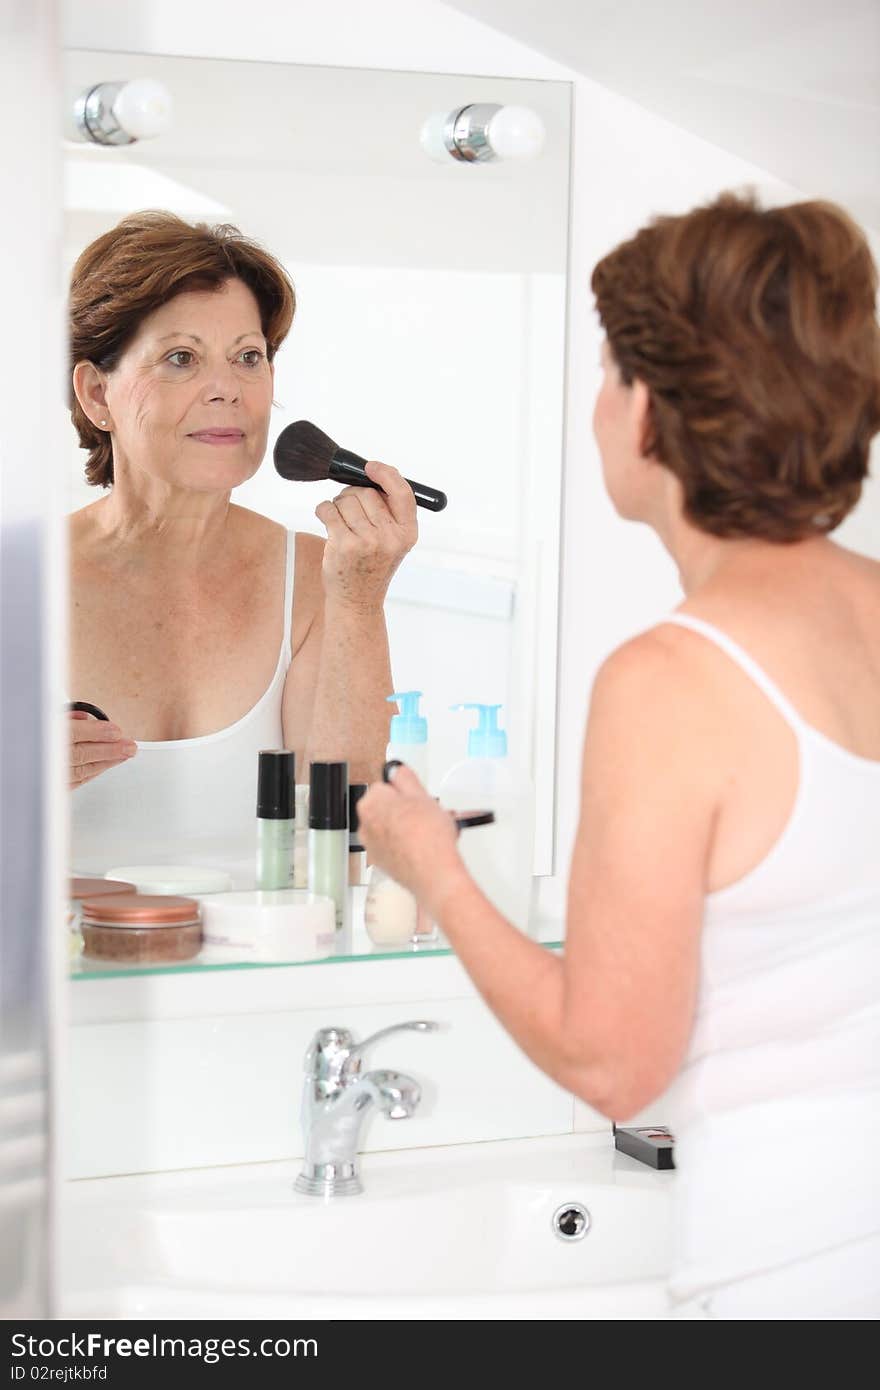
351	945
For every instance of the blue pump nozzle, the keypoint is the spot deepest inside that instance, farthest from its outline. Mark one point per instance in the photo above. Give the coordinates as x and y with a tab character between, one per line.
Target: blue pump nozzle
486	740
408	726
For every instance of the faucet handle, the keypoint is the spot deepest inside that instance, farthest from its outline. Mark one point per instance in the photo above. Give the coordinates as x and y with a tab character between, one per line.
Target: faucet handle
333	1057
418	1025
325	1057
352	1064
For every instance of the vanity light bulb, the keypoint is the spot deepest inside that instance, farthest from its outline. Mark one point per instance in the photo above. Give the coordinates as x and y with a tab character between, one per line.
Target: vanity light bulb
143	108
516	132
431	137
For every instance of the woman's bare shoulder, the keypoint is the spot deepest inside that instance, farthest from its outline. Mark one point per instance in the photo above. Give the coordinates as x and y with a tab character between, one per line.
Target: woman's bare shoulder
255	526
84	529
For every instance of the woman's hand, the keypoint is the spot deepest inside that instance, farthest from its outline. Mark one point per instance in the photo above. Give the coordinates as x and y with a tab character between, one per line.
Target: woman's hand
95	746
413	839
368	534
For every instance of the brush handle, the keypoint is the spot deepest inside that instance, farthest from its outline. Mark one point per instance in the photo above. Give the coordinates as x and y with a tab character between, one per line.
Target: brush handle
346	467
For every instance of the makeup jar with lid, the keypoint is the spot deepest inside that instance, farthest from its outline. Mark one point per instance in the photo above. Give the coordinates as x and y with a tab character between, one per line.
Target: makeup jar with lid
141	928
175	879
78	890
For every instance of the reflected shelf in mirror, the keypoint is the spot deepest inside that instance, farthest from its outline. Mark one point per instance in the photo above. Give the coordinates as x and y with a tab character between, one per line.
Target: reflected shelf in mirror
352	944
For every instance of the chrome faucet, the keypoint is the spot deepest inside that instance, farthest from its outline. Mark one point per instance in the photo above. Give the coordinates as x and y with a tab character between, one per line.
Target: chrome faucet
336	1099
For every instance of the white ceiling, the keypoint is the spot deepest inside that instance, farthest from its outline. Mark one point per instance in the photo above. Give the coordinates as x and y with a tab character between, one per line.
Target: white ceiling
790	85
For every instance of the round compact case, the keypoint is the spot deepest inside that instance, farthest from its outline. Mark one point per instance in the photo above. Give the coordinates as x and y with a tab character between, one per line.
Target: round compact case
173	878
140	928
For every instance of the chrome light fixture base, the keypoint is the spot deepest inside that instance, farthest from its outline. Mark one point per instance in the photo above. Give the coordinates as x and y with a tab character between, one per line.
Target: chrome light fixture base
466	132
93	113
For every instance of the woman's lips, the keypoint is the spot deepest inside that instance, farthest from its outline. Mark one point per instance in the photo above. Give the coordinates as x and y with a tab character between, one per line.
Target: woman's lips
218	436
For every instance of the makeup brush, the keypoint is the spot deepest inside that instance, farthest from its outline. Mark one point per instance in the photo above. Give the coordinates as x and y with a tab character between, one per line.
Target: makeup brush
305	454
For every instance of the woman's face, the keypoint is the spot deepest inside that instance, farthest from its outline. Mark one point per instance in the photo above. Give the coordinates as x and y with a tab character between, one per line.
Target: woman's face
190	398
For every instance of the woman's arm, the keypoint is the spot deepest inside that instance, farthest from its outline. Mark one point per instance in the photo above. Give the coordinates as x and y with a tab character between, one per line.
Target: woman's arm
335	704
610	1019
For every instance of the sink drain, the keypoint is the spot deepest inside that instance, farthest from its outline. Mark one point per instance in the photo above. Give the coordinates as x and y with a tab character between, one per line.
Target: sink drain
571	1221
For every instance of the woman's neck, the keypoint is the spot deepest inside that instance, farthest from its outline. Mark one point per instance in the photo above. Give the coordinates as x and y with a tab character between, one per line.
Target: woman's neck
162	517
703	560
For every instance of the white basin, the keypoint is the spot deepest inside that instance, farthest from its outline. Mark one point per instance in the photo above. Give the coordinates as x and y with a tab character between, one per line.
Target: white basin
459	1232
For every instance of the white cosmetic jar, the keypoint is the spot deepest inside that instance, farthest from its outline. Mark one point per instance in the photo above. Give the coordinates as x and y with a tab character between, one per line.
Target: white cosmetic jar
173	878
280	925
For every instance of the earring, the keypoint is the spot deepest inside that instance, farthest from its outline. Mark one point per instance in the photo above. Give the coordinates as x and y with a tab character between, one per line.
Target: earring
103	424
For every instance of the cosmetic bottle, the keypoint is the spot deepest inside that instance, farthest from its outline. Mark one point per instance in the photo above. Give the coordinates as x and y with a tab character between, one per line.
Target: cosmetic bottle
391	912
500	856
275	818
328	835
357	855
301	837
409	734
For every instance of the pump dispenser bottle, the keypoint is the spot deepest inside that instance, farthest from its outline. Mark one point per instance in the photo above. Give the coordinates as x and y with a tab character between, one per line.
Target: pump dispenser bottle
409	735
275	818
499	856
328	835
357	855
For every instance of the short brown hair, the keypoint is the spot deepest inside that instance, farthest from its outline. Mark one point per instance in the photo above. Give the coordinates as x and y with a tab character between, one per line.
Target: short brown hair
756	334
135	268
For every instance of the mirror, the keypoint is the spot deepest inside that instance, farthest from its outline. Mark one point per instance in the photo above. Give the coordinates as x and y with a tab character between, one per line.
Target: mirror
429	333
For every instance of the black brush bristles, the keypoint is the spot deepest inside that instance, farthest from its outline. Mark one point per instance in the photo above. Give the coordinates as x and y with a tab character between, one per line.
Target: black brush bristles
303	453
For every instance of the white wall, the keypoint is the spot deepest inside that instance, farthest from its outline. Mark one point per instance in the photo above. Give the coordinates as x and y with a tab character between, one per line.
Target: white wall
627	166
32	556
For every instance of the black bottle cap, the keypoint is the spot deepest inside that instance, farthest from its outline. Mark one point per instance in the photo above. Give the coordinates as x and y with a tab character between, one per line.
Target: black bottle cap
328	796
355	792
275	785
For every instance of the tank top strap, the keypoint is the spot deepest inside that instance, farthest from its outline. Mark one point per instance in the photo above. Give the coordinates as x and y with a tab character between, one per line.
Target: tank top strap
288	591
746	664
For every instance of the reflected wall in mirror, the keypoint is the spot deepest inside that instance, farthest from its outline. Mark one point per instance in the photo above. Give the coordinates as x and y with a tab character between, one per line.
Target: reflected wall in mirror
428	334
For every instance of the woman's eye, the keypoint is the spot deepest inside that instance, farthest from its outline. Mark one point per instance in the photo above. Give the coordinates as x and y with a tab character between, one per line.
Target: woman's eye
251	357
181	353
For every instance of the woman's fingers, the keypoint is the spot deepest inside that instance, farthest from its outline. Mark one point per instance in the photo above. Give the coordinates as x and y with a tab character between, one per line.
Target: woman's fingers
405	781
394	505
399	496
407	834
352	507
95	746
365	542
364	507
331	517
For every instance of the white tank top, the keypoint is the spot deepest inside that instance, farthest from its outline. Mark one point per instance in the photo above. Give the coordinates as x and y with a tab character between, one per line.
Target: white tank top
776	1110
186	800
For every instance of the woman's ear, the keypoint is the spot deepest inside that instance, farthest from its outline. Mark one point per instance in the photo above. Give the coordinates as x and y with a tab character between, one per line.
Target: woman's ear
88	386
641	420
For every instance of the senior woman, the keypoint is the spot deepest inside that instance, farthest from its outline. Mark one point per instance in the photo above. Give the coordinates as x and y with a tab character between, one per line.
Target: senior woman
205	630
723	919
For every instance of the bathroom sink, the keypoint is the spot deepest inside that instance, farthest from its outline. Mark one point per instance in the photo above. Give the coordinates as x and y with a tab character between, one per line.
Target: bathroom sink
461	1232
